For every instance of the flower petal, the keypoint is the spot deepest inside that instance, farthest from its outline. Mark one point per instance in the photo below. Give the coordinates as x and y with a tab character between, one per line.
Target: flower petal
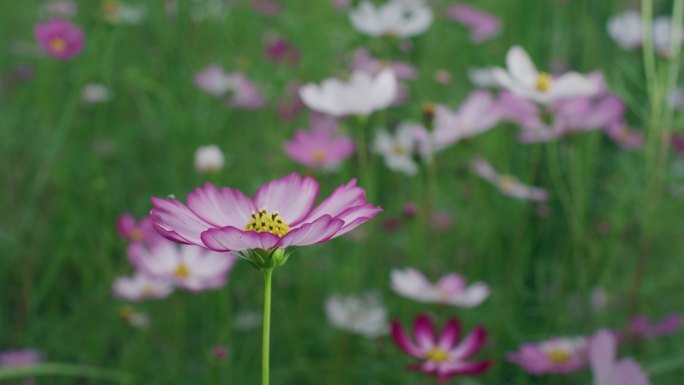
470	345
450	334
292	195
346	196
472	296
224	207
449	370
177	222
232	239
317	231
356	216
424	331
403	342
521	67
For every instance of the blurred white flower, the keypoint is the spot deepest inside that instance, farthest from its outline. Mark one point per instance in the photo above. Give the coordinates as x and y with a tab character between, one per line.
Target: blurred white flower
123	13
247	320
523	79
209	158
483	77
94	93
134	318
663	34
625	28
214	80
364	315
452	289
60	8
361	95
508	184
399	149
479	113
140	287
400	18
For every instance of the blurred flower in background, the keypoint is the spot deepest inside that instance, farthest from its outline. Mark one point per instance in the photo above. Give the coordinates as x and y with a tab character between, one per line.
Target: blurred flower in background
214	80
627	30
209	159
483	26
397	18
364	61
141	287
60	8
400	149
60	38
137	231
641	327
119	12
479	113
364	314
452	289
319	147
508	184
606	369
280	51
95	93
246	94
20	358
556	355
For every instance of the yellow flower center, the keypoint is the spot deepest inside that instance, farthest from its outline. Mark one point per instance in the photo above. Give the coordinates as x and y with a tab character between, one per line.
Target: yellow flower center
543	82
559	356
149	291
318	156
398	150
126	312
182	271
58	44
136	235
437	355
507	182
269	222
110	7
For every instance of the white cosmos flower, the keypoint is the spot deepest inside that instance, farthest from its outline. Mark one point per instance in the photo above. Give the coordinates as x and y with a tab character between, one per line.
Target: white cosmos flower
662	35
209	158
523	79
401	18
399	149
625	28
361	95
141	287
364	315
483	77
508	184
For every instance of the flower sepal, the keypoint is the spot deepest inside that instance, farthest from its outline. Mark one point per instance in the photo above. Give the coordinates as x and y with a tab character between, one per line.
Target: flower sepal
265	259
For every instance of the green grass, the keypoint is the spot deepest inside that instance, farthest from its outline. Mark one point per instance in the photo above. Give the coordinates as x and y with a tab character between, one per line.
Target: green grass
67	171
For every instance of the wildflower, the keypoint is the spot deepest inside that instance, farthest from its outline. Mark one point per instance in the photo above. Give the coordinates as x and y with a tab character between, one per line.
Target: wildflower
663	34
483	26
213	80
135	318
60	38
118	12
364	315
624	136
141	287
556	355
399	18
319	147
19	358
399	149
209	159
60	8
220	352
137	231
280	51
508	184
245	95
626	29
607	370
523	79
442	356
477	114
190	267
94	93
361	95
451	289
281	214
364	61
641	327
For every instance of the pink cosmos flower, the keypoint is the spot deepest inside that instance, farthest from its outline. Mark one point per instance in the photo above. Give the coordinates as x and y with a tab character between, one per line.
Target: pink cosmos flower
606	368
364	61
320	147
483	26
508	184
442	356
141	287
281	214
641	327
190	267
214	80
140	231
60	38
246	95
291	103
677	142
19	358
477	114
280	51
451	289
624	136
556	355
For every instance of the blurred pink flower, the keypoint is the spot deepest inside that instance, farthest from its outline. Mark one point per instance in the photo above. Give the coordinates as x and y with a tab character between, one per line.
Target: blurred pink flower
319	147
190	267
442	356
364	61
291	103
641	327
281	214
245	95
19	358
556	355
60	38
624	136
443	77
141	231
220	352
141	287
214	80
280	51
483	26
677	141
478	114
341	4
441	220
508	184
451	289
607	370
267	7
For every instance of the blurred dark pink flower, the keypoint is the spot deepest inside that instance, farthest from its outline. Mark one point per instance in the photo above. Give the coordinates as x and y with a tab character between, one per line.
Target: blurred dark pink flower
641	327
410	209
624	136
443	355
320	146
281	51
483	26
556	355
245	95
137	231
19	358
60	38
220	352
364	61
677	141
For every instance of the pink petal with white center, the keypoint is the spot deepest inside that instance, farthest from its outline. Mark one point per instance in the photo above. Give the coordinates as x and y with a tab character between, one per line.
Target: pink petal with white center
412	284
175	221
292	196
450	335
224	207
233	239
157	261
521	67
451	284
424	331
317	231
404	343
345	196
470	345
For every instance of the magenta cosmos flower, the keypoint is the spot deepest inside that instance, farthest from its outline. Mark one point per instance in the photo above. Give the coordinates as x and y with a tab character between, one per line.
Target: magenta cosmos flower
19	358
442	356
281	214
320	147
606	368
59	38
136	231
556	355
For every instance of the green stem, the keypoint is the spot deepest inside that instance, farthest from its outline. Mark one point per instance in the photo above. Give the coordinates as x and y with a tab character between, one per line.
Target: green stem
268	273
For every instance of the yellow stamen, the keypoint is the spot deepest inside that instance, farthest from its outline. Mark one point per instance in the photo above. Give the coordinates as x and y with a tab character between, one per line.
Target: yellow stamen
318	156
110	7
136	235
182	271
126	312
263	221
437	355
58	44
543	82
559	356
508	182
398	150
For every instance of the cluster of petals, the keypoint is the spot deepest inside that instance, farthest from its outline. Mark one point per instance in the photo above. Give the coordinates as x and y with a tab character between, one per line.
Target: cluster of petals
444	355
478	114
627	30
399	18
244	93
451	289
220	219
